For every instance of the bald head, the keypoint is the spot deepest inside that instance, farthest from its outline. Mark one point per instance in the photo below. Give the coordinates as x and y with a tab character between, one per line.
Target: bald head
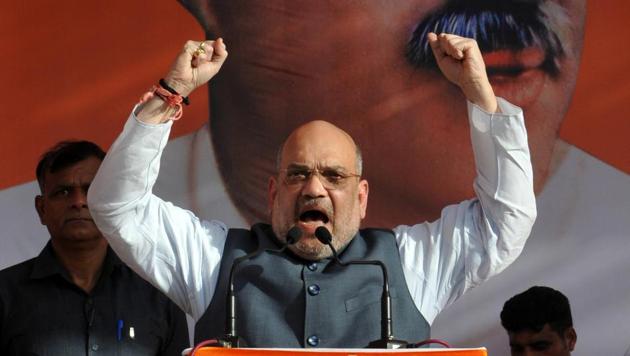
324	133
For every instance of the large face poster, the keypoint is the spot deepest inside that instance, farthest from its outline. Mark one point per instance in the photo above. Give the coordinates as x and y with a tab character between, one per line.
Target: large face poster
75	70
369	70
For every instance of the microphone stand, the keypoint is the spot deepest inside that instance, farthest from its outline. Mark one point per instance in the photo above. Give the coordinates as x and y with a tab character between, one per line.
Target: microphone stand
231	339
387	340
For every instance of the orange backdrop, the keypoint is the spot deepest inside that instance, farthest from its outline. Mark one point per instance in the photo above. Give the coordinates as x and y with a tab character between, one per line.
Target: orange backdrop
74	69
598	120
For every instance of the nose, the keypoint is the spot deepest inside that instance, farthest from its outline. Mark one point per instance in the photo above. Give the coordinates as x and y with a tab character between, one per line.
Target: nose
313	187
78	198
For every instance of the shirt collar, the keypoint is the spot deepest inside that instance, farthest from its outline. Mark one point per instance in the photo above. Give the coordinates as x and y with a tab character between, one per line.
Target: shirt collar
46	264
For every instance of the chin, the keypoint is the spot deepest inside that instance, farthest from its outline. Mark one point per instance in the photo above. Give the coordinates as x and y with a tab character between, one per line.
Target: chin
311	252
84	236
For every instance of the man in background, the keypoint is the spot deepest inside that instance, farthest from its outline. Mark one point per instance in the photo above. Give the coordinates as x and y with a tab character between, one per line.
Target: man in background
77	297
538	322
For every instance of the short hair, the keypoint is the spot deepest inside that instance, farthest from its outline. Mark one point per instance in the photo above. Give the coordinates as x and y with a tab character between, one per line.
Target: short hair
65	154
535	307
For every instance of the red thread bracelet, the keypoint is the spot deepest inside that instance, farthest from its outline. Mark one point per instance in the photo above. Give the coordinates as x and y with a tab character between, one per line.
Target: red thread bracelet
172	100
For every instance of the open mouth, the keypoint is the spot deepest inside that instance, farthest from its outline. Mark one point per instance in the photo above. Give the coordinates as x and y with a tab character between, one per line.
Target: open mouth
518	76
310	218
314	216
513	63
520	42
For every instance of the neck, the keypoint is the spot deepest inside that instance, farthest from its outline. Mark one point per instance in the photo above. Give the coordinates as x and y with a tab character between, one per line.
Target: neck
83	263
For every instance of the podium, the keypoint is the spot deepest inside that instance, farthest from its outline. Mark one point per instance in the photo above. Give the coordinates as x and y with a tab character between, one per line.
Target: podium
219	351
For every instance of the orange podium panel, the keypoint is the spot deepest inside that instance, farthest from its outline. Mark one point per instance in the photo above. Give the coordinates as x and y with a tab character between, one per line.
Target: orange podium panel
218	351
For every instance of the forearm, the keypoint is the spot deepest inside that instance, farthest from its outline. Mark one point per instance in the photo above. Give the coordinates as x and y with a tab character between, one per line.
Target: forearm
155	111
120	197
167	245
478	238
128	172
481	94
502	217
130	169
504	182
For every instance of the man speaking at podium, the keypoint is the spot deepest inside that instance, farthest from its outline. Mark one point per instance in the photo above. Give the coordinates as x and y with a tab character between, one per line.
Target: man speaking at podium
302	298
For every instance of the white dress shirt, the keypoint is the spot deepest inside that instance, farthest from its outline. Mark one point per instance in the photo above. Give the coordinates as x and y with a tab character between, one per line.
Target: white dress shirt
180	254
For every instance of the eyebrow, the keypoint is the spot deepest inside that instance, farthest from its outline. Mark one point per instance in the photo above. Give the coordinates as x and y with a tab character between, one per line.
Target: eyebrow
297	166
541	343
337	167
59	186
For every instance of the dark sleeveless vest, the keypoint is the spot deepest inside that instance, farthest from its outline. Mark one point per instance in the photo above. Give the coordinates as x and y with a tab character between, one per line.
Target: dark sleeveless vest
285	301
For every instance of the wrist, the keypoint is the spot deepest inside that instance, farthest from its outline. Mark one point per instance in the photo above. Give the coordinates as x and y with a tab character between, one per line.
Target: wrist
160	105
177	86
482	95
172	90
154	111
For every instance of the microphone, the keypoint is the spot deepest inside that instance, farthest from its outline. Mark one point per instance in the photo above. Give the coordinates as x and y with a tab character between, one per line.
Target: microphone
231	337
387	340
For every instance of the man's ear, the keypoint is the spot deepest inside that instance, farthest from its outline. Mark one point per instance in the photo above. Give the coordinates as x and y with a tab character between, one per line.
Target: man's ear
364	190
39	206
571	337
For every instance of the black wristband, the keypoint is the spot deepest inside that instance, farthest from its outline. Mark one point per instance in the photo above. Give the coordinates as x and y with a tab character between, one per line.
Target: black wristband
173	91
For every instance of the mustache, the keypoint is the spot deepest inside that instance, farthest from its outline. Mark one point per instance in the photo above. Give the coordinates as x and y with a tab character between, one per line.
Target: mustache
496	25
